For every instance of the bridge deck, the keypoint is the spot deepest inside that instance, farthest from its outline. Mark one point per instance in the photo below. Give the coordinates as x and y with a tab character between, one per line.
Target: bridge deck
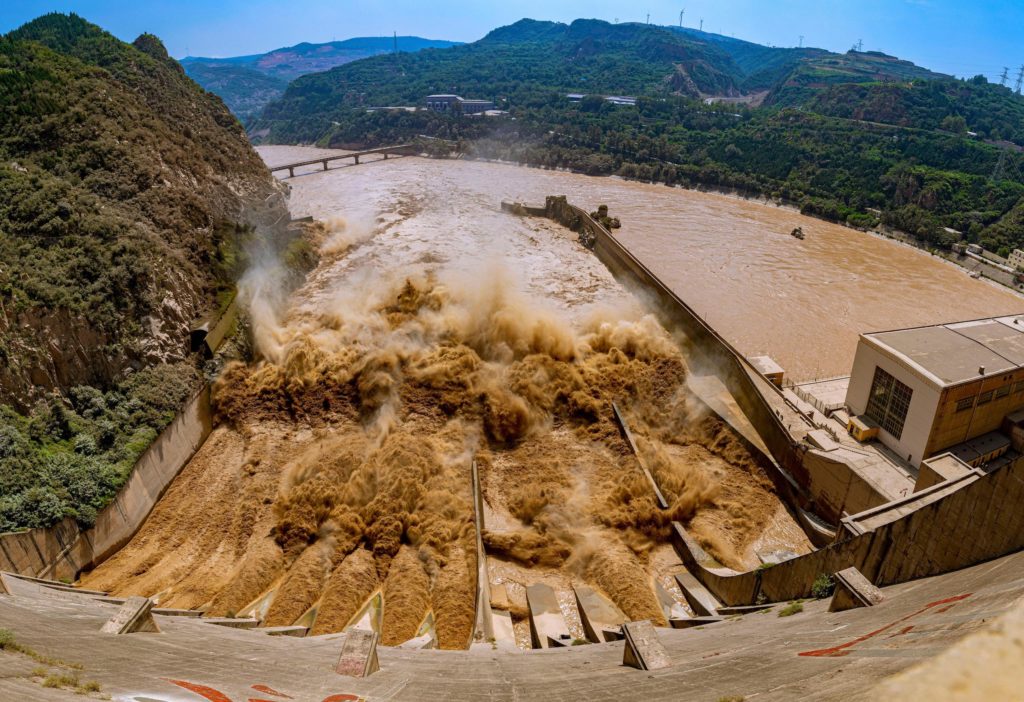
290	167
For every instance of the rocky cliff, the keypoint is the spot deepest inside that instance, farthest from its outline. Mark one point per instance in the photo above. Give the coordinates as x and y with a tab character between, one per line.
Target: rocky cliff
129	197
125	193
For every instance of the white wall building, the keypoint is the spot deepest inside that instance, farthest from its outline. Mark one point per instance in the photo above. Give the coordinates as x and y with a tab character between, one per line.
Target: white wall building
931	388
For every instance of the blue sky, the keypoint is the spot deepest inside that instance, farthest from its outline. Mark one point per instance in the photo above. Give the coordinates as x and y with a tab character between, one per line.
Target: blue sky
954	36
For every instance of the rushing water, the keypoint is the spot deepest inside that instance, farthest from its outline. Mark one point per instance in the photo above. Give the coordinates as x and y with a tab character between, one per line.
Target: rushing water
802	301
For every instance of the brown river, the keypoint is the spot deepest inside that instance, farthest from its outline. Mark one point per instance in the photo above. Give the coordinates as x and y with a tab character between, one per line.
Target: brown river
801	301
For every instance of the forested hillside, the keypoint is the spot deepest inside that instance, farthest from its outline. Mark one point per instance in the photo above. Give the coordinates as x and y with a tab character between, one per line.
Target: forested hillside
125	192
857	137
512	65
248	83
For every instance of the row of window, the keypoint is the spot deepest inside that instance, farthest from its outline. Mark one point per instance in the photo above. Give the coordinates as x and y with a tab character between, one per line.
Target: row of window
888	403
989	395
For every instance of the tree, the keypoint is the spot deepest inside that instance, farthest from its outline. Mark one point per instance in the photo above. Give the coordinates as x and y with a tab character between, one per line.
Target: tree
954	123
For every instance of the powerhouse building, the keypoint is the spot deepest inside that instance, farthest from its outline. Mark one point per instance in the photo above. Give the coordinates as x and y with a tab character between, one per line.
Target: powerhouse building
948	387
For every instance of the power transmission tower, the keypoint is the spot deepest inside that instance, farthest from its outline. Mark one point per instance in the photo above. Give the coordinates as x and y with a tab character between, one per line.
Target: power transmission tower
648	18
1004	76
860	45
1020	78
681	13
702	24
997	172
396	43
801	41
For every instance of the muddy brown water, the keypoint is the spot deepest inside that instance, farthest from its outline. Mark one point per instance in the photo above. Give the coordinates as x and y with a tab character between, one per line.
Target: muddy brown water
436	329
802	301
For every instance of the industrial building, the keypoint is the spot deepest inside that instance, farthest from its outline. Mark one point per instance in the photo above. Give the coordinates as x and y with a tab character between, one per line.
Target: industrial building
457	105
953	388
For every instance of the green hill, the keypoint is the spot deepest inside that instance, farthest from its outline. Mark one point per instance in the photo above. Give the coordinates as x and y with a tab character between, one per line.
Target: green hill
125	190
758	67
512	65
818	73
248	83
859	138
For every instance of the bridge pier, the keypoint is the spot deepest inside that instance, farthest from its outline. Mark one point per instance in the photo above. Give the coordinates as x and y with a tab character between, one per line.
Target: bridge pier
356	157
291	172
325	164
385	155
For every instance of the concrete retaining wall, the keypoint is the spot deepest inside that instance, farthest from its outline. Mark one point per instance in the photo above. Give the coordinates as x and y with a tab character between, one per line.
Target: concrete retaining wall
706	348
64	550
976	523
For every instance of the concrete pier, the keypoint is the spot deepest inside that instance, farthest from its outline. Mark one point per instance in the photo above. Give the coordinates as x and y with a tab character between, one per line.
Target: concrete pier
547	626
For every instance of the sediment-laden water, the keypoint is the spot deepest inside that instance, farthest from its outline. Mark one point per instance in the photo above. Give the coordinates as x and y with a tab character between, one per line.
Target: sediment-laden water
802	301
437	330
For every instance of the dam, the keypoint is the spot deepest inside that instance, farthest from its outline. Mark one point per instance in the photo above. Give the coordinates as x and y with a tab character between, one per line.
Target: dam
441	339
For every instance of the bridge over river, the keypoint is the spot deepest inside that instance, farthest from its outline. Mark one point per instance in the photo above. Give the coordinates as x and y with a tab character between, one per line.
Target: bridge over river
399	149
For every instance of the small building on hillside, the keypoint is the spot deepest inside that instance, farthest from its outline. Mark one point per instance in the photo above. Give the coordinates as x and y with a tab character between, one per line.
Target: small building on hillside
940	388
1016	259
453	104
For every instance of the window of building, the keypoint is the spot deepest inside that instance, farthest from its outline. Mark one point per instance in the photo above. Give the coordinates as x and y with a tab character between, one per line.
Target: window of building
985	398
1002	391
965	404
888	403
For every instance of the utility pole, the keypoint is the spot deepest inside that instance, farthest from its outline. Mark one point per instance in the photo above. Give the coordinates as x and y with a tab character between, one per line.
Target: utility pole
1020	78
1004	76
681	13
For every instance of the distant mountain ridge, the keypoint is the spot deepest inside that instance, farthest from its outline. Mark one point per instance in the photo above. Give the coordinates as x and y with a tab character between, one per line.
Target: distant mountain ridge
589	56
247	83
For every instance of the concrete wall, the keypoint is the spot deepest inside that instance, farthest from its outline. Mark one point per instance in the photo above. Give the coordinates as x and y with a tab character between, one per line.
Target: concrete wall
836	487
923	403
976	523
706	348
953	427
64	550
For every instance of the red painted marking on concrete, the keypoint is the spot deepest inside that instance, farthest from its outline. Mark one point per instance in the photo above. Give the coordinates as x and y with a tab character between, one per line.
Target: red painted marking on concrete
843	649
207	692
343	698
901	632
259	699
267	689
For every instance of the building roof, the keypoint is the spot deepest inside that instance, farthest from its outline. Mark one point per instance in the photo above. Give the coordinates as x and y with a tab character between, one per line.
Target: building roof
766	365
949	354
443	95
